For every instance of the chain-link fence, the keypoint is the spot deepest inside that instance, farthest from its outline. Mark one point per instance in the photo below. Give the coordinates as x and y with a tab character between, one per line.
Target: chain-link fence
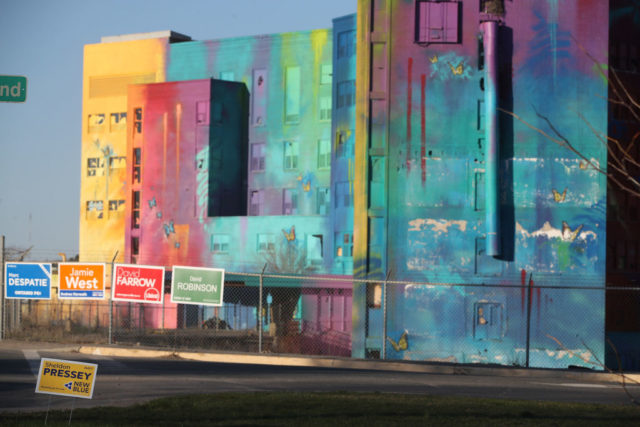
529	325
260	313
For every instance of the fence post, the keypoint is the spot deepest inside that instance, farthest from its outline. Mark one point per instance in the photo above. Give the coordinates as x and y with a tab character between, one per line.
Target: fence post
2	284
111	301
260	319
384	315
529	291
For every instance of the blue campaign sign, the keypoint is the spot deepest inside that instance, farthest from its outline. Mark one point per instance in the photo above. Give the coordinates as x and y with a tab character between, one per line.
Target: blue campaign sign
28	280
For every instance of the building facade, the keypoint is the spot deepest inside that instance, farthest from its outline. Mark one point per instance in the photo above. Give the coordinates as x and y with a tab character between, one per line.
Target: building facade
454	143
451	188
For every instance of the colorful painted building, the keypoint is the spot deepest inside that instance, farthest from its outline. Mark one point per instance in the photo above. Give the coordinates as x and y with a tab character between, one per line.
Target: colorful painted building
451	188
109	67
414	142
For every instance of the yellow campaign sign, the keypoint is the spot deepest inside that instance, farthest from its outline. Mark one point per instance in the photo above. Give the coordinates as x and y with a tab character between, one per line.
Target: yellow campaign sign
66	378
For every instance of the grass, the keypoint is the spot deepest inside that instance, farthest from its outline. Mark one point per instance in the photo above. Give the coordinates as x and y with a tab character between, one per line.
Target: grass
336	409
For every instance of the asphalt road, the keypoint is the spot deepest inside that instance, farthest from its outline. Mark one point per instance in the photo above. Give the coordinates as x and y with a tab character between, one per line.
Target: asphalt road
123	381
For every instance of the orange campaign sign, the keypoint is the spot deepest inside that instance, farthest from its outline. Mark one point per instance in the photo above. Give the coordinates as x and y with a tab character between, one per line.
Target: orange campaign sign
81	281
138	283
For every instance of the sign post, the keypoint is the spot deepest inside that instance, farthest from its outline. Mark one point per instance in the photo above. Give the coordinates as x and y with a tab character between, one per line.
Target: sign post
27	280
13	89
196	285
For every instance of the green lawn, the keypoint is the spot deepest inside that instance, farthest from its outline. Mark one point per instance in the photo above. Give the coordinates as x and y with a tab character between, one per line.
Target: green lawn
337	409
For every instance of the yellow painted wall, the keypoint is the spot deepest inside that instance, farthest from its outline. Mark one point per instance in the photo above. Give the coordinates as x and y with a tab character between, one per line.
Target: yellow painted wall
108	69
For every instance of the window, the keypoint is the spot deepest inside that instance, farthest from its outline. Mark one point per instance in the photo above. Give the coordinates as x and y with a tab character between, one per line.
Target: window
116	205
346	94
326	71
259	98
323	199
136	210
346	44
291	155
137	162
314	249
344	245
341	143
325	108
135	246
94	209
116	208
343	195
227	75
494	7
96	122
344	143
437	22
202	113
324	153
220	243
117	162
257	157
137	123
95	166
292	95
255	202
290	201
481	118
266	242
118	122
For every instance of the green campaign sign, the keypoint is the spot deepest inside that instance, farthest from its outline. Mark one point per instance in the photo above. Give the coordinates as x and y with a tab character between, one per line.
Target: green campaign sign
13	88
196	285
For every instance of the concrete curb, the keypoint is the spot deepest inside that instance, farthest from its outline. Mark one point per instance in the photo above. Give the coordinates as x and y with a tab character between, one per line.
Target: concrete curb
345	363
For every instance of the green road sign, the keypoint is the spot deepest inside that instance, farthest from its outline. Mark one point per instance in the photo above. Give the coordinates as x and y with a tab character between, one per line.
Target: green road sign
195	285
13	88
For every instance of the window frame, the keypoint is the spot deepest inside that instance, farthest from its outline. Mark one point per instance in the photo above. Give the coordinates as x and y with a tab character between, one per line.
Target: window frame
290	206
290	158
323	153
260	160
324	108
260	204
222	244
292	94
268	240
434	12
323	193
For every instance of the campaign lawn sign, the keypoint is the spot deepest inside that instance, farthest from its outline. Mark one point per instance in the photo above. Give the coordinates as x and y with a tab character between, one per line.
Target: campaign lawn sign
29	280
81	281
66	378
196	285
138	283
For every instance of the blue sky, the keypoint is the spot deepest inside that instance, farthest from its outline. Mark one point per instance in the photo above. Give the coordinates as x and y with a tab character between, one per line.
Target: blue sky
40	139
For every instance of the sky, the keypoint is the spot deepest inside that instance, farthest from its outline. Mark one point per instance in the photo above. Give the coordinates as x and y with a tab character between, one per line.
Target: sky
40	139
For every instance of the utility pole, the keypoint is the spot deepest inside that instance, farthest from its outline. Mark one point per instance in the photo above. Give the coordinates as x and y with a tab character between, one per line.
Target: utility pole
2	307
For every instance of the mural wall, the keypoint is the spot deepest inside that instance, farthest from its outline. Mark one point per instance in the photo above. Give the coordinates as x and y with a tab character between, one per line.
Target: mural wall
419	141
288	77
453	188
109	67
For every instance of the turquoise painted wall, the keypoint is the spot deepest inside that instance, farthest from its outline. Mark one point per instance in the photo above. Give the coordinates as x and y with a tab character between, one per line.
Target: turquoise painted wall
421	211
